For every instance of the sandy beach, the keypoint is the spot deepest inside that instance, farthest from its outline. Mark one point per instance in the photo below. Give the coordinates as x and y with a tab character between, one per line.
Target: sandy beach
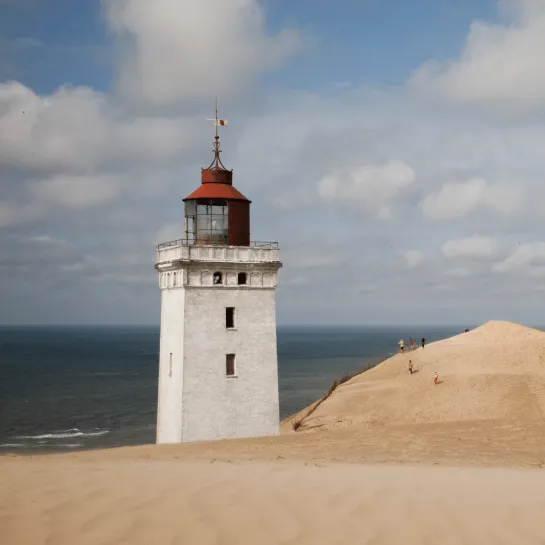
389	458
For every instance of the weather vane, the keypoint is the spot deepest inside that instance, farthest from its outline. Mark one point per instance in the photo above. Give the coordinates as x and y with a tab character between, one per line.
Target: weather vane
218	123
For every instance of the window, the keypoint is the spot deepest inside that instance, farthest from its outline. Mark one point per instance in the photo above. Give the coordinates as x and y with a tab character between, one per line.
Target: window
230	365
217	278
230	317
242	279
207	223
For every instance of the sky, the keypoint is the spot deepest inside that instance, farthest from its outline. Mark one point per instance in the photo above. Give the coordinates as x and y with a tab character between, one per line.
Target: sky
394	149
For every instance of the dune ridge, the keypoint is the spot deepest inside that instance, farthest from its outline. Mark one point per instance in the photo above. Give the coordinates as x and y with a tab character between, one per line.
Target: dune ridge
496	371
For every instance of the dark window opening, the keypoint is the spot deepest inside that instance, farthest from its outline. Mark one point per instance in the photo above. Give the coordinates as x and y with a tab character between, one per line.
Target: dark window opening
230	365
217	278
230	317
242	279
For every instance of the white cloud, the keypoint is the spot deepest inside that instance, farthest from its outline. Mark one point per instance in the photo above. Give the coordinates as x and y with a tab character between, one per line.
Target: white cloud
13	214
527	258
373	188
79	129
182	49
456	200
501	65
77	192
413	258
471	247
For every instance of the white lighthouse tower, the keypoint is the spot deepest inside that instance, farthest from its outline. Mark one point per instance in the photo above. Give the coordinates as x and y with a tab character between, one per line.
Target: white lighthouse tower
218	371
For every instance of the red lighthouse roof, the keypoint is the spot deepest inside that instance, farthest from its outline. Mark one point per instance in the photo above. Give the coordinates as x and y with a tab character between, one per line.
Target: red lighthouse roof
217	191
216	180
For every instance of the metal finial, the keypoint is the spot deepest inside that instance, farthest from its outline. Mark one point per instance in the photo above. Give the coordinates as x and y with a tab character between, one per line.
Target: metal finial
223	122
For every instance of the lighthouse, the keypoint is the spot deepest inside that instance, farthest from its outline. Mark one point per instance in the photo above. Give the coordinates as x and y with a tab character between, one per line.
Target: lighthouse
218	368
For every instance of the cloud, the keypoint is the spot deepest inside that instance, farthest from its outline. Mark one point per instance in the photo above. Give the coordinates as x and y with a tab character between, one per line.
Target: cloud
370	188
44	252
471	247
79	129
77	192
456	200
500	67
182	49
526	258
14	214
413	258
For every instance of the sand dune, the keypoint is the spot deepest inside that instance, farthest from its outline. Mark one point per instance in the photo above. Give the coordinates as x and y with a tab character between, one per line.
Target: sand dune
311	486
63	502
496	371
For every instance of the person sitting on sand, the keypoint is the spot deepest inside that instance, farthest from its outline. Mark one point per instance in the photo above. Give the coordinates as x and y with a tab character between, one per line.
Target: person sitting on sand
401	344
411	342
410	367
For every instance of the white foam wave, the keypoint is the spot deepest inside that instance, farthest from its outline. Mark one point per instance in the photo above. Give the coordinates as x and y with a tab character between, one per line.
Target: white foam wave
12	445
68	434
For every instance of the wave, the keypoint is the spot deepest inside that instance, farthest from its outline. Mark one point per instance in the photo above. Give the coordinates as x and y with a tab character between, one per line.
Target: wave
66	434
30	445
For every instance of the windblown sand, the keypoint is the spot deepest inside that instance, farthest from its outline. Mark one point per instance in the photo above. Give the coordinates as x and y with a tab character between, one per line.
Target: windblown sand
324	484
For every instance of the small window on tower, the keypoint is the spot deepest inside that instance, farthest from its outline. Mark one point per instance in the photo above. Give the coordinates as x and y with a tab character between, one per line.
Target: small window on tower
242	279
230	317
230	365
217	278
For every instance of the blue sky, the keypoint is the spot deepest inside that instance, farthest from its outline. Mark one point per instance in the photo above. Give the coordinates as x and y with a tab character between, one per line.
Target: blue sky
393	148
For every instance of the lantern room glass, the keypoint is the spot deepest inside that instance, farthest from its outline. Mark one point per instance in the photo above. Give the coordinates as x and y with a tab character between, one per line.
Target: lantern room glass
207	221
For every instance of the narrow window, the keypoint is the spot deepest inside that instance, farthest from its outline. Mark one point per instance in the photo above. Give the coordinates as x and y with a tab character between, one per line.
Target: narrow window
170	365
230	365
230	317
174	279
242	279
217	278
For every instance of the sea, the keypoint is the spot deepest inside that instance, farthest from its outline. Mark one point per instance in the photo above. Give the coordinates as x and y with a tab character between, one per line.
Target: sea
75	388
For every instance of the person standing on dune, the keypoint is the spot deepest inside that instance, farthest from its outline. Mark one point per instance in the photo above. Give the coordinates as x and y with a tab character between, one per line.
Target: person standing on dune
423	341
411	342
401	344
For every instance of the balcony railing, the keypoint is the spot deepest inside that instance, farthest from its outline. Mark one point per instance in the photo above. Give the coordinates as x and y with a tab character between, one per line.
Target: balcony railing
187	242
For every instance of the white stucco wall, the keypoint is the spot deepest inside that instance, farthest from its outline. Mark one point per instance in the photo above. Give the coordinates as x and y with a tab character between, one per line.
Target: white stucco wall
169	406
216	406
199	401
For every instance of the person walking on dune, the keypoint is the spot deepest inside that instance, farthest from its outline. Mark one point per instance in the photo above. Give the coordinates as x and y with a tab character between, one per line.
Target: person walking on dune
436	378
401	344
411	343
423	341
410	367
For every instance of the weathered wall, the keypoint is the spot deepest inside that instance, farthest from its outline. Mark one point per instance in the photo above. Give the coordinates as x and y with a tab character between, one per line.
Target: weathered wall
199	402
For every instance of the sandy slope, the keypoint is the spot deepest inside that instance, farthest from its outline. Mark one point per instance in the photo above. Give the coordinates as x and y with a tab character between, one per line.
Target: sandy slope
311	486
62	502
496	371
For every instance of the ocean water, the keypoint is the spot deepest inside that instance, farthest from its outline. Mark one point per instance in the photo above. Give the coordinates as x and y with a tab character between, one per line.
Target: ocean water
65	388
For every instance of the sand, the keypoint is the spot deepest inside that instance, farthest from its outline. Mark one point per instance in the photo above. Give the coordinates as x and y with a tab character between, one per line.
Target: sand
495	372
389	458
63	502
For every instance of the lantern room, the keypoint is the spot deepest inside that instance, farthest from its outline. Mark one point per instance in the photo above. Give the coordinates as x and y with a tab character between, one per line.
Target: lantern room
217	213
